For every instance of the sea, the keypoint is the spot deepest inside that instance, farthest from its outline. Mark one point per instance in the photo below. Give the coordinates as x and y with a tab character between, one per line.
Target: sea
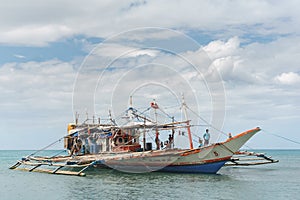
273	181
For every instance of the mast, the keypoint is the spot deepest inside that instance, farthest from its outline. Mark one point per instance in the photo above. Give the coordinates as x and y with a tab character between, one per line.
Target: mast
87	115
130	109
187	122
144	136
155	106
130	113
173	133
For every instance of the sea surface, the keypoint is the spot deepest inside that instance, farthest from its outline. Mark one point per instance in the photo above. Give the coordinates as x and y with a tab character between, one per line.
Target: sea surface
274	181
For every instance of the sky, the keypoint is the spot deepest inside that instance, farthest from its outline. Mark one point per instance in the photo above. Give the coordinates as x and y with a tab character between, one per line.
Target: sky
237	63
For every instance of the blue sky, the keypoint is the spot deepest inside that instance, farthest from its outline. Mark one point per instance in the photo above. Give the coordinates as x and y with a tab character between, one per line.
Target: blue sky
252	46
66	49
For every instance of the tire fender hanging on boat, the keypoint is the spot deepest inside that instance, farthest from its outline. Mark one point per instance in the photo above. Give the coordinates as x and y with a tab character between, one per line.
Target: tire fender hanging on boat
216	153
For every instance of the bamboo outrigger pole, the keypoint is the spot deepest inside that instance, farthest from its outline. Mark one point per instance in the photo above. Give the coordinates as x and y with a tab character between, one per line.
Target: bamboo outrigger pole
187	123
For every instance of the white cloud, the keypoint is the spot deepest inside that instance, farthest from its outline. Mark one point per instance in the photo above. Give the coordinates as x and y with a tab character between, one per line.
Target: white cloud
33	23
257	75
116	50
289	78
250	73
19	56
226	59
255	63
35	35
35	102
33	86
219	49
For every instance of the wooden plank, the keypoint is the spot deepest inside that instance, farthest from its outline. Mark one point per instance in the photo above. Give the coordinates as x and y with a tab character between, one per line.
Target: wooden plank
248	159
35	167
61	172
16	165
249	163
58	168
91	164
55	165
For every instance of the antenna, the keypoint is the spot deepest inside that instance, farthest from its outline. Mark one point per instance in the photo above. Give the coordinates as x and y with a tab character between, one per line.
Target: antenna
76	118
130	101
110	117
155	112
87	114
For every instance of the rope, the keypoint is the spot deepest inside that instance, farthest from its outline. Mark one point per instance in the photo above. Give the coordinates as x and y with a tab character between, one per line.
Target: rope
248	147
46	147
279	136
193	137
165	113
145	110
206	121
58	153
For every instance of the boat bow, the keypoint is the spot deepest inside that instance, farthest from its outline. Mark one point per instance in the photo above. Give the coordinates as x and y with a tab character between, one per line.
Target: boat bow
235	143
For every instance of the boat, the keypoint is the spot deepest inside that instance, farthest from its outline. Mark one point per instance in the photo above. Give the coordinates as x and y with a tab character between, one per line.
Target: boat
126	148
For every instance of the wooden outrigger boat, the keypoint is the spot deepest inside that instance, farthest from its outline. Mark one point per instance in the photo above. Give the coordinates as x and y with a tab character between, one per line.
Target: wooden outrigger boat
118	147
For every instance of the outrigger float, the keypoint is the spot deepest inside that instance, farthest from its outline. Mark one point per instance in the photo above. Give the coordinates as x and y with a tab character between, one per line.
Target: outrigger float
245	158
125	148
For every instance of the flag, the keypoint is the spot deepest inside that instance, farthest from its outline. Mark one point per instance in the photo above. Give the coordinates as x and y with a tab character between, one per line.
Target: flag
154	105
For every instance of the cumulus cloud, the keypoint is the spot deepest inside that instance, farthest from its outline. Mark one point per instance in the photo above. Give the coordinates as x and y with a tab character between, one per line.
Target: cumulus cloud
226	59
290	78
255	63
219	49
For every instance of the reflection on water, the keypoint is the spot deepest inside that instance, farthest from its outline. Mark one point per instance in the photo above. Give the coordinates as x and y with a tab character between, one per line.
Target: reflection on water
105	183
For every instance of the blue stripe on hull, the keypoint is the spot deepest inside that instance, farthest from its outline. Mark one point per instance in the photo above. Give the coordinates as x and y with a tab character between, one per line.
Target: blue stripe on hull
209	168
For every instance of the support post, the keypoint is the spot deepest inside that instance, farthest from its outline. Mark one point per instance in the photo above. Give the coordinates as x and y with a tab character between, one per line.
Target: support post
144	135
189	134
187	123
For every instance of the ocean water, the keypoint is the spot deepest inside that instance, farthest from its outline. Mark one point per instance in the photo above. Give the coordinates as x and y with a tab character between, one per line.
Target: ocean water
274	181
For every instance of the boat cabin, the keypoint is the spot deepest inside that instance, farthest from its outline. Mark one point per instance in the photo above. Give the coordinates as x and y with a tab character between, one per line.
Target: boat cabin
99	139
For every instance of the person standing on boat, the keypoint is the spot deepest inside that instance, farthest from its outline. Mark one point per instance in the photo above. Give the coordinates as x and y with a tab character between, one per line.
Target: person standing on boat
206	137
171	138
77	144
157	140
